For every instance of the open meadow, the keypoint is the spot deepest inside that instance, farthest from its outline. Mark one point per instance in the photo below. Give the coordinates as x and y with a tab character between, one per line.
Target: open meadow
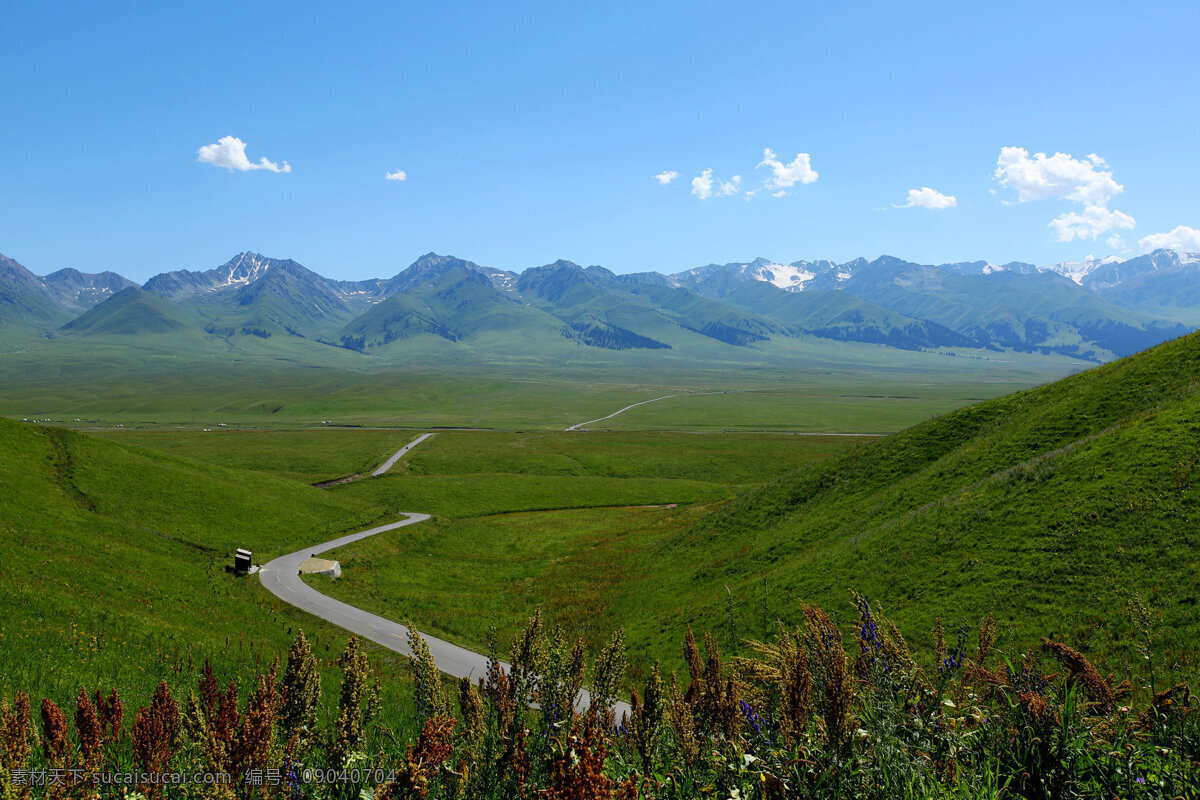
722	511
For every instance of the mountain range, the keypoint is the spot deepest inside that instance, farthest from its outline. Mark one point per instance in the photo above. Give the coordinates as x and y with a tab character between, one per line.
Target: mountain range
1094	310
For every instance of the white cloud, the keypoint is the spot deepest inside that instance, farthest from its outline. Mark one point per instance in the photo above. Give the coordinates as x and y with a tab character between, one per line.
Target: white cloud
1182	238
787	175
928	198
702	185
230	152
1088	182
398	175
1094	221
783	177
666	176
1116	242
1059	175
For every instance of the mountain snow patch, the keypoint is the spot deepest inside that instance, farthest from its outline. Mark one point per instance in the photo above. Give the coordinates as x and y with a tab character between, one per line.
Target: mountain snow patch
784	276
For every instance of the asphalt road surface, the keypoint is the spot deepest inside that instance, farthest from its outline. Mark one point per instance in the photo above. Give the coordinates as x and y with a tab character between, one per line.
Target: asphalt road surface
579	425
282	578
391	462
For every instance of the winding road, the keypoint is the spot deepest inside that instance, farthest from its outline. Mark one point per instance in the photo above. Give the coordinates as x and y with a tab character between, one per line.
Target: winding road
579	425
391	462
281	577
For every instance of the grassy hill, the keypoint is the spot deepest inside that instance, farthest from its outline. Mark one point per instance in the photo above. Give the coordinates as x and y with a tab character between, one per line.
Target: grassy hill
113	562
458	302
1050	506
130	312
1056	507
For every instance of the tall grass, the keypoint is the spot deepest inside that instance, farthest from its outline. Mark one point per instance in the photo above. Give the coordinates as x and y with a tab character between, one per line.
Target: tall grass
817	711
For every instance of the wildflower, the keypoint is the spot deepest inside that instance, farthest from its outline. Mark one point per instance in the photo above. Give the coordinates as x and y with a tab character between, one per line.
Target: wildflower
87	725
577	770
154	731
16	734
210	690
647	718
357	700
870	642
751	716
987	638
430	700
301	690
111	711
951	663
829	663
606	677
471	706
422	765
256	734
683	723
1083	672
54	733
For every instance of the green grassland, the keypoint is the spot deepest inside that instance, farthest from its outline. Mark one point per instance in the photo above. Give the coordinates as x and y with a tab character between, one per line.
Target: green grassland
1056	508
731	459
113	549
173	379
812	408
113	567
1050	506
309	456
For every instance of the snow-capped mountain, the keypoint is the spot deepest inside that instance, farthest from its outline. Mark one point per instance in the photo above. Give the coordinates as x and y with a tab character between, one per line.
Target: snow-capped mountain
57	296
1078	271
1094	309
799	276
242	269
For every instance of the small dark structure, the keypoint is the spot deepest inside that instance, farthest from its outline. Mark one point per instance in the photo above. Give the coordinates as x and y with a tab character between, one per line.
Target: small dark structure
241	561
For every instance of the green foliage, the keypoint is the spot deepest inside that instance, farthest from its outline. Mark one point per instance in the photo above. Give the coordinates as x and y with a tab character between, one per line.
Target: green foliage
357	705
110	550
301	690
1051	506
428	695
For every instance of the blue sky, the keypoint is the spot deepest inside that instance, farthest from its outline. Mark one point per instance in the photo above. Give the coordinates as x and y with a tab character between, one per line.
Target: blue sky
533	131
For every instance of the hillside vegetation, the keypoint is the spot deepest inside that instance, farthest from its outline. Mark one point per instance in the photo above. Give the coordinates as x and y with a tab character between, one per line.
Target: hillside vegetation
1062	509
1053	506
113	562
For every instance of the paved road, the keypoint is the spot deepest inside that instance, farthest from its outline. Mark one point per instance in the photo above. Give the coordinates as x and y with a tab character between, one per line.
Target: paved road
282	578
579	425
391	462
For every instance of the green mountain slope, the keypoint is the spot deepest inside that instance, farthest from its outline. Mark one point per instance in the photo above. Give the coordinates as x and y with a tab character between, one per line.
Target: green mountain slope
113	560
837	315
454	302
670	316
1038	311
130	312
25	304
1162	284
287	299
1049	506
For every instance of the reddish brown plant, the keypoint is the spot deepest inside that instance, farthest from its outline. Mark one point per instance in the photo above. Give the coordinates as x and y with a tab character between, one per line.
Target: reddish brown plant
90	731
577	770
153	733
1085	674
54	734
111	711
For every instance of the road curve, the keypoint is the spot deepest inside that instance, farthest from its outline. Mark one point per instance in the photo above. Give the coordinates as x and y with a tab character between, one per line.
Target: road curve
281	577
579	425
391	462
